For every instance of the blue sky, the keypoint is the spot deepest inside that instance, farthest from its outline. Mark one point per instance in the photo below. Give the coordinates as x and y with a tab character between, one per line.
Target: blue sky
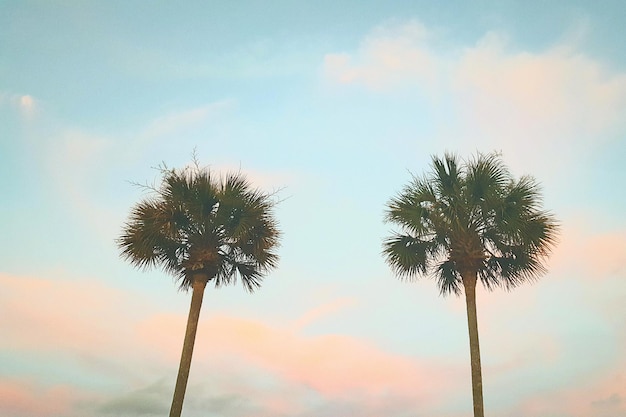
335	104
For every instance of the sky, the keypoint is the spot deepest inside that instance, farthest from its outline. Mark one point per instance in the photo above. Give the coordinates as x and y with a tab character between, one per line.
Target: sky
334	105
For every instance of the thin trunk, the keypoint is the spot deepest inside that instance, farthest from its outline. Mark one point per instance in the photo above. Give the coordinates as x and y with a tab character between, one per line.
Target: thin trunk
469	282
190	338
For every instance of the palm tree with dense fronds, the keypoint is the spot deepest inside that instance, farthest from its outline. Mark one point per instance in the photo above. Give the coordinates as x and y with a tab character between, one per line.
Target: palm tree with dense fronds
470	221
200	229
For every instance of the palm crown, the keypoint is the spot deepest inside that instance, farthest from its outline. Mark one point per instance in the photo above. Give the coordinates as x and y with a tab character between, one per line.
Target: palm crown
470	219
199	226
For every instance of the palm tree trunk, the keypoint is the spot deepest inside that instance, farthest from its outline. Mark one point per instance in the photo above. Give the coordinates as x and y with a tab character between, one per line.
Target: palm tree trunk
190	338
469	282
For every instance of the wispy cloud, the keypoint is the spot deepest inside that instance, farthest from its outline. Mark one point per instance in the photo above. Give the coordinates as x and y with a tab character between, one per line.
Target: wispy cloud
333	365
179	121
323	310
22	398
336	368
85	166
596	255
145	401
597	397
61	314
26	104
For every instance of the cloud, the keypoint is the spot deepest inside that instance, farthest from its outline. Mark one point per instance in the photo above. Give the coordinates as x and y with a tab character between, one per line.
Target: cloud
557	341
391	57
152	400
26	104
266	180
85	168
75	319
332	364
71	161
246	366
594	255
19	398
597	397
77	149
178	121
614	400
610	405
250	366
557	101
323	310
63	315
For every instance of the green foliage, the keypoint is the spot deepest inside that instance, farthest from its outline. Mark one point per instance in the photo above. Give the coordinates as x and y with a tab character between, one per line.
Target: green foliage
197	225
470	218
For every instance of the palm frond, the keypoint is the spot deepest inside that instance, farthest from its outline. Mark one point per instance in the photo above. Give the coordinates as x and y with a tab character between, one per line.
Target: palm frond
447	176
448	278
197	224
407	255
473	217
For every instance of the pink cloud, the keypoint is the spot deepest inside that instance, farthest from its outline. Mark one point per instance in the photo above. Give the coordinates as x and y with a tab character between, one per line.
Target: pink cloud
582	254
596	255
165	333
323	310
88	320
26	399
531	327
558	99
59	314
72	317
334	365
603	396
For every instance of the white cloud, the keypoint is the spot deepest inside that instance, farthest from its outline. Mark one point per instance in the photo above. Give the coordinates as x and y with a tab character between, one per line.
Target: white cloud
24	103
90	170
391	57
557	101
27	102
177	121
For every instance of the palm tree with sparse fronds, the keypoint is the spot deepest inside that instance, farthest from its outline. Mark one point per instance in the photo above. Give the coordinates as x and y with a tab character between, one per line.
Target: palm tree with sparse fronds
465	222
202	229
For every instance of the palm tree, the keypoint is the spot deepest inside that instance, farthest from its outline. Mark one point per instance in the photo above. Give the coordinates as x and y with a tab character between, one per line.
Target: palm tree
470	221
201	228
